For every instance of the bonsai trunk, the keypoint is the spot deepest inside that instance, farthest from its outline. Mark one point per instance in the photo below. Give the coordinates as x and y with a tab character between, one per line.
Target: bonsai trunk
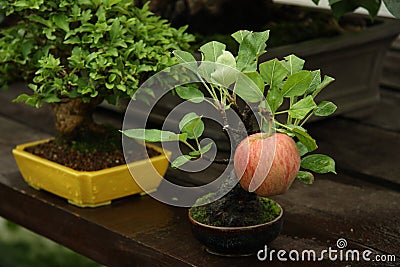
238	207
73	117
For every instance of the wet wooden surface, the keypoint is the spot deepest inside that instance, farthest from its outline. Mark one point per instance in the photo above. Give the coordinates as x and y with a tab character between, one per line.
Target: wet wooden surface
359	204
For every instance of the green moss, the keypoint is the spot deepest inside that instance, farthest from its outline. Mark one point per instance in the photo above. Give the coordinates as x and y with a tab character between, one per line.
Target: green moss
199	210
271	209
266	210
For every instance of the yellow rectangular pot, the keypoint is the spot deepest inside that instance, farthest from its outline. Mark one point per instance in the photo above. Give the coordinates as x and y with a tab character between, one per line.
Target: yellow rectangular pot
88	189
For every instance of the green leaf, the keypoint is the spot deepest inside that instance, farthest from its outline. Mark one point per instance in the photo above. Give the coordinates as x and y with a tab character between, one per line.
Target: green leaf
179	161
274	98
205	71
41	20
227	59
325	108
305	138
302	148
192	124
153	135
256	78
327	80
76	12
341	7
393	6
240	35
86	15
115	30
318	163
206	148
101	14
202	150
305	177
224	76
109	85
246	89
251	47
61	21
91	57
273	72
27	47
315	81
27	4
22	98
297	84
301	108
225	73
212	50
51	99
182	137
183	56
190	93
49	33
293	64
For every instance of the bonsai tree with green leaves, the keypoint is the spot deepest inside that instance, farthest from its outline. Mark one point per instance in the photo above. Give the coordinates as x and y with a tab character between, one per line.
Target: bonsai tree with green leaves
75	54
270	143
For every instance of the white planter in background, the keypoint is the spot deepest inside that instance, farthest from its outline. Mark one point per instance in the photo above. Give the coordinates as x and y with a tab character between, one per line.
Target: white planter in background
324	4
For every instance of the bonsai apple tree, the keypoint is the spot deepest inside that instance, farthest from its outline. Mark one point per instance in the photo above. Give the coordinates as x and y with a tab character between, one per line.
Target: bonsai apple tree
75	54
268	155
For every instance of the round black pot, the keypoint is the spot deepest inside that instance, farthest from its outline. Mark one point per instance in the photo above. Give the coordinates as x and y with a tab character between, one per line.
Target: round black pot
236	241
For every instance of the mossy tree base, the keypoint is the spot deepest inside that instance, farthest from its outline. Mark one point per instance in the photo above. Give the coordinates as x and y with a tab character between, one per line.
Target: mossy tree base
237	208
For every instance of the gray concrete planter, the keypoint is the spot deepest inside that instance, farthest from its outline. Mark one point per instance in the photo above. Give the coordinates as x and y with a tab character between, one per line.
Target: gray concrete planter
391	66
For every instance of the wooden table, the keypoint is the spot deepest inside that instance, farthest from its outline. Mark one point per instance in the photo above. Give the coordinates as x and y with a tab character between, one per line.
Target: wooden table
360	204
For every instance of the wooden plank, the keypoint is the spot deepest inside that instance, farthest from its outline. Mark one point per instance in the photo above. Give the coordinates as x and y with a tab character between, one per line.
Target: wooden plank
166	230
384	115
360	212
52	217
140	230
359	148
13	134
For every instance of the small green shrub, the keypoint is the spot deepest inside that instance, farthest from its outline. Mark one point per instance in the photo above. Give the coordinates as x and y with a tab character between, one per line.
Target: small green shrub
84	50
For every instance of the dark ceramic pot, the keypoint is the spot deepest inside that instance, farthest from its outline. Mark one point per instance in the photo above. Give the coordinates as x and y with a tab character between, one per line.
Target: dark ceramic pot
236	241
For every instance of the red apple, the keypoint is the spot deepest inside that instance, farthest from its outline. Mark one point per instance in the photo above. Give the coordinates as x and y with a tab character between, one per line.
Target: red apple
267	165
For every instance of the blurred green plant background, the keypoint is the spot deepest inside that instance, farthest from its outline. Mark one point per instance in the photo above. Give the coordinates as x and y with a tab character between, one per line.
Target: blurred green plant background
20	247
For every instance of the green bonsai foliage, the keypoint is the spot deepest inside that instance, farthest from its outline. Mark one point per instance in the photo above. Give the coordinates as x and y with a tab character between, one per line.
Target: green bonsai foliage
275	83
75	54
